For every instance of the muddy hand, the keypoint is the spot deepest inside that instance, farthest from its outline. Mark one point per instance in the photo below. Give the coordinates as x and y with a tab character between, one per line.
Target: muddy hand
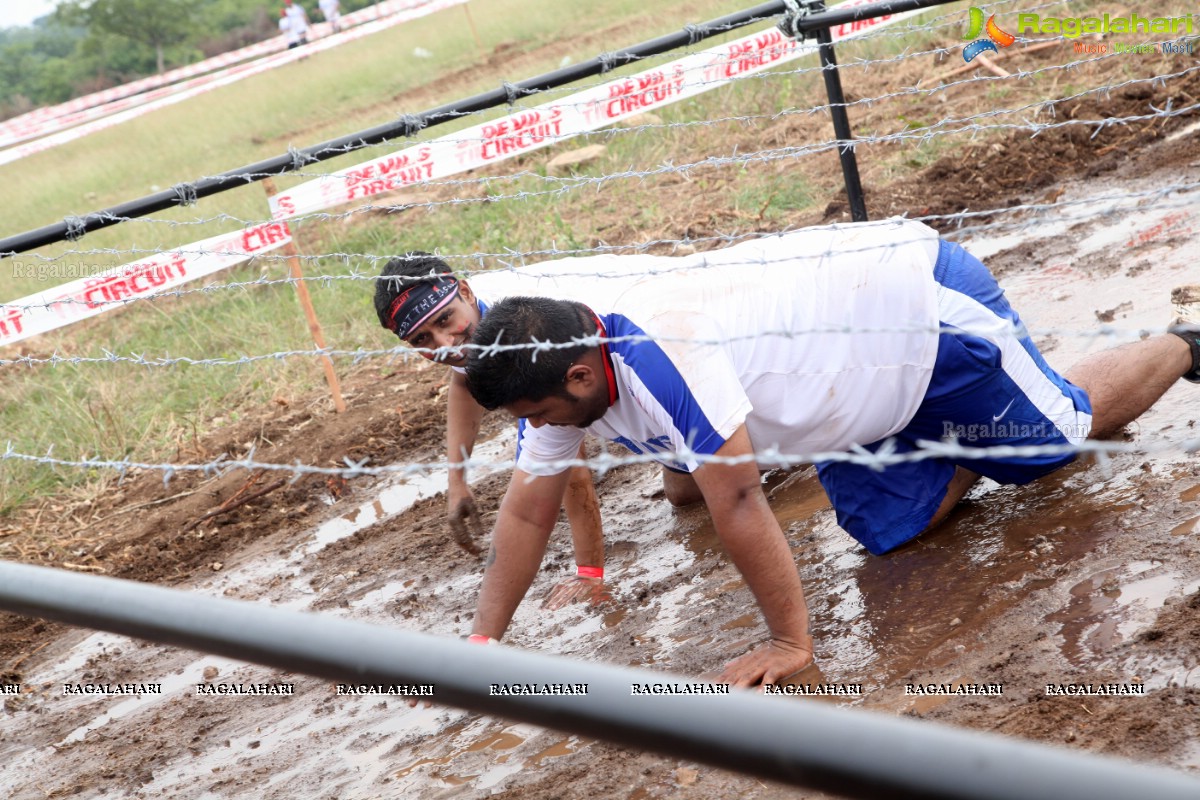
574	589
768	663
466	525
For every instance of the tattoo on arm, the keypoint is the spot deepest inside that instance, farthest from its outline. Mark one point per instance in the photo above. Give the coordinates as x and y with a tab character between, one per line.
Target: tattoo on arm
491	558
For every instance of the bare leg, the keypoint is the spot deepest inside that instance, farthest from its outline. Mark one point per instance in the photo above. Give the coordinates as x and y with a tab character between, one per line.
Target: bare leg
1122	384
963	480
681	488
583	513
1125	381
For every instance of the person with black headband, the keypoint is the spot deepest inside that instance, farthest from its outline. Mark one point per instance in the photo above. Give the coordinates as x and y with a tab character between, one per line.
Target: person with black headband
418	298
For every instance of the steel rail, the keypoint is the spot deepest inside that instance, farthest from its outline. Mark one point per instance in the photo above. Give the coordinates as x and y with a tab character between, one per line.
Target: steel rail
843	751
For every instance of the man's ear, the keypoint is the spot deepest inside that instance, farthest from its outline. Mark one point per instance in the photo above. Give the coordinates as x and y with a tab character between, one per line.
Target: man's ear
581	377
464	291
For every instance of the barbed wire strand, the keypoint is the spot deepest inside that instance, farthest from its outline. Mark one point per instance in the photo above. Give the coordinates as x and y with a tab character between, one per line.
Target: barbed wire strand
886	455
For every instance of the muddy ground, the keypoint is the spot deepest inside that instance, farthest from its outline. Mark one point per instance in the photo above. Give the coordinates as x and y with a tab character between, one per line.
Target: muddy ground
1091	575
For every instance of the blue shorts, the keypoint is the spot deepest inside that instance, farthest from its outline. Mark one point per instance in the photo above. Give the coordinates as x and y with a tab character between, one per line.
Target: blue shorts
988	388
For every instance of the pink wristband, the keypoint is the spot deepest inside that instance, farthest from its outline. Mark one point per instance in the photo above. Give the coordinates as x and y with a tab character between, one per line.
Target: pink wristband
479	638
591	572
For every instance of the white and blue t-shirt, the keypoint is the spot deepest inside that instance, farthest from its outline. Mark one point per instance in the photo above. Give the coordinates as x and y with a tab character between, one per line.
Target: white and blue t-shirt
816	340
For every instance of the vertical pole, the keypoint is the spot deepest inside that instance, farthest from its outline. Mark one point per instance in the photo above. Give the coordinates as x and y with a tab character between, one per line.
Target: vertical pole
841	120
314	325
474	32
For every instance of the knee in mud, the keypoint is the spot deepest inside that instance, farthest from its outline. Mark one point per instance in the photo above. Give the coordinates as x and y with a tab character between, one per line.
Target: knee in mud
681	490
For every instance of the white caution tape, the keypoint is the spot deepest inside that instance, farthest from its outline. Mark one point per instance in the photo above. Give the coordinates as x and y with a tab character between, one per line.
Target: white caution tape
70	127
541	126
86	297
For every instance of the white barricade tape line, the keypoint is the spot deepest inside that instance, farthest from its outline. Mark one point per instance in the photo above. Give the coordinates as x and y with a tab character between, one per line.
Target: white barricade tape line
540	126
86	297
38	122
231	75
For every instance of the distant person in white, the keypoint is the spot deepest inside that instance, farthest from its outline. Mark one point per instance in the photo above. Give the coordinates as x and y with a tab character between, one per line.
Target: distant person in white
331	10
872	336
297	29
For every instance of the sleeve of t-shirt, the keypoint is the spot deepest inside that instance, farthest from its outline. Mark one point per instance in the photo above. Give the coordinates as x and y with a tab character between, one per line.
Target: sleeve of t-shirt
686	383
538	449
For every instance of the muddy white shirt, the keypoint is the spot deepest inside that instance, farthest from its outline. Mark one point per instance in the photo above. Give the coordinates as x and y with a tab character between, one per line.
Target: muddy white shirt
816	340
591	280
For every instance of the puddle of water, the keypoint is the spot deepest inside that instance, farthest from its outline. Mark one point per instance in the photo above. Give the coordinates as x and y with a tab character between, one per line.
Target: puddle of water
391	501
1112	605
485	757
248	580
184	681
613	618
1186	528
752	620
399	497
561	748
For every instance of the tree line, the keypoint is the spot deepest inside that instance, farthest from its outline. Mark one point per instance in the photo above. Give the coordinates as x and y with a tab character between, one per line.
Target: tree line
88	45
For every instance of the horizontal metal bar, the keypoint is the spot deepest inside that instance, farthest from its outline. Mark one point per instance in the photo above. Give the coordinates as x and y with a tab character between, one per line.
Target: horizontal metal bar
409	125
843	751
840	16
404	126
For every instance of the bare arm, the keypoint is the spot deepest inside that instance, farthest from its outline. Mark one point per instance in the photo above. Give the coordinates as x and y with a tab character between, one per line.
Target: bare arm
583	512
463	416
752	537
587	534
527	515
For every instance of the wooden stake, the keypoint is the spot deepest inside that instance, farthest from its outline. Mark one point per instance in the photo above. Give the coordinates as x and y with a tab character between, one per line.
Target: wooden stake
314	326
991	67
474	32
1003	54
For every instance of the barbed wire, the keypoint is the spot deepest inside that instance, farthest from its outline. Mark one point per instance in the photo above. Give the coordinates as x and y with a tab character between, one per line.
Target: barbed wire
406	352
946	126
772	74
885	456
1039	211
924	133
905	28
1060	209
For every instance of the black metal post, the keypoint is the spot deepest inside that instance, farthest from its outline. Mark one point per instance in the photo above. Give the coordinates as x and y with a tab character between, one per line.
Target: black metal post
841	120
847	752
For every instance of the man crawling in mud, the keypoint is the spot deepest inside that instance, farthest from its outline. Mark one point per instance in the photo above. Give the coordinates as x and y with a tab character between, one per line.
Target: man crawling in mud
806	346
418	298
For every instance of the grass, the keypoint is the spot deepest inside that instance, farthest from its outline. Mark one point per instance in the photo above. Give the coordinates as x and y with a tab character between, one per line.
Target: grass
121	410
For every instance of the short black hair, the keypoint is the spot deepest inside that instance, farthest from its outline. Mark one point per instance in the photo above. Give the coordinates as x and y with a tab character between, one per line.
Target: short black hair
402	272
501	378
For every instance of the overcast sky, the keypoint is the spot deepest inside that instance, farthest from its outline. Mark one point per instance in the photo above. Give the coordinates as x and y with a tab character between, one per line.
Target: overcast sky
23	12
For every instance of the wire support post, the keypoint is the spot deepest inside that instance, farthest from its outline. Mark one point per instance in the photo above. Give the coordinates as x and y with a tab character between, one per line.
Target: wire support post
791	24
310	314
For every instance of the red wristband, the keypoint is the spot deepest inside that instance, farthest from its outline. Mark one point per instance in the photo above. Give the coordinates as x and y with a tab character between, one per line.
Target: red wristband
479	638
590	572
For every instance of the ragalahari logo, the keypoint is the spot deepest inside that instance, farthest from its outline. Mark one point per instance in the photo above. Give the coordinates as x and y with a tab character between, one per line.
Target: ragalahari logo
995	36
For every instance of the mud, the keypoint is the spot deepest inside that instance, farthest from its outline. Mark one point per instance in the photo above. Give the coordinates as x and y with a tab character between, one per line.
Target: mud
1089	576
